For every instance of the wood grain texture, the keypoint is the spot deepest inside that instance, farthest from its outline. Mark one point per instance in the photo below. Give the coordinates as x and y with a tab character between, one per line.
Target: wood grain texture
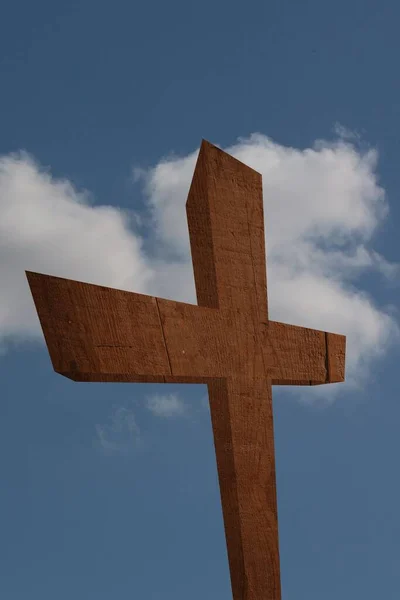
95	333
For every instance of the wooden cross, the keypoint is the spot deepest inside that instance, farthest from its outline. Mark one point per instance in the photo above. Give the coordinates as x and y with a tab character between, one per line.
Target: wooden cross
95	333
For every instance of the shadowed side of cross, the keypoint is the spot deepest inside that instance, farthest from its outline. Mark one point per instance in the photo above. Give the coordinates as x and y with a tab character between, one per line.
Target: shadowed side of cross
94	333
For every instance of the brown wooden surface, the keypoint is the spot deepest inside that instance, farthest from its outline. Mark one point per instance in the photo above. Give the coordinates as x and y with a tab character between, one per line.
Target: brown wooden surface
95	333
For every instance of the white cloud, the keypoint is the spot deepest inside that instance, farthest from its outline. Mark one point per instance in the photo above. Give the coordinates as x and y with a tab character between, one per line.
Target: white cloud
121	435
168	405
323	205
46	225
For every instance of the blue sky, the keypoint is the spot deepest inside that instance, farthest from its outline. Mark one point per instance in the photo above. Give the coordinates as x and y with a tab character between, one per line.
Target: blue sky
111	490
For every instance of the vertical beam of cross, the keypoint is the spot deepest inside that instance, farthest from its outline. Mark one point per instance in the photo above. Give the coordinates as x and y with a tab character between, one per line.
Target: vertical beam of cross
95	333
226	227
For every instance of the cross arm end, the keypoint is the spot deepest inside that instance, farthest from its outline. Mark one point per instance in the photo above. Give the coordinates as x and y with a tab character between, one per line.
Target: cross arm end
303	356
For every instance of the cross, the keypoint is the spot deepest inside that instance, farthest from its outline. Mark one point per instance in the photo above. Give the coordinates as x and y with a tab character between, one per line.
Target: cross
95	333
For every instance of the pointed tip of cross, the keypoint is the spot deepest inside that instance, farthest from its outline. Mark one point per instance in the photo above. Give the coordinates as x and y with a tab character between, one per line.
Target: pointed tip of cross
206	145
207	149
